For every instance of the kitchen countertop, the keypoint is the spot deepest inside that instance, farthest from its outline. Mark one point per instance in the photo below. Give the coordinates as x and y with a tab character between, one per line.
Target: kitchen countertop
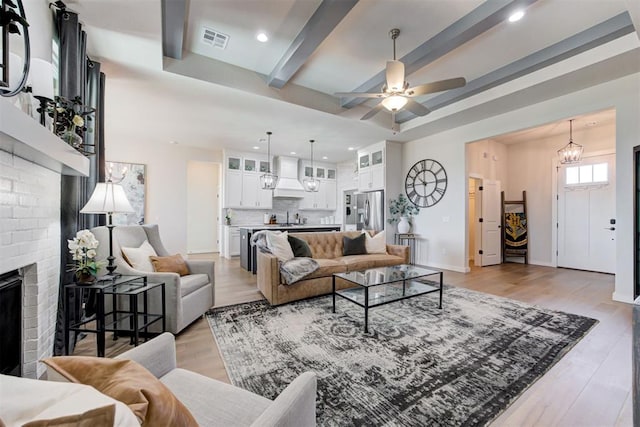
288	227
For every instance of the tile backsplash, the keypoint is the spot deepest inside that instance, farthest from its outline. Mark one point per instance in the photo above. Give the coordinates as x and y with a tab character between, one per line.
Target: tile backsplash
280	208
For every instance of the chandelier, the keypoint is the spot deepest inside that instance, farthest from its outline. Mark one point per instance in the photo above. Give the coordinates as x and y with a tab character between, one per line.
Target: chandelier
572	152
268	180
310	183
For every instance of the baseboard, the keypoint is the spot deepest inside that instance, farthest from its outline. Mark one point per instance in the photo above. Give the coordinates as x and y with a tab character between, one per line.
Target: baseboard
542	263
448	267
616	296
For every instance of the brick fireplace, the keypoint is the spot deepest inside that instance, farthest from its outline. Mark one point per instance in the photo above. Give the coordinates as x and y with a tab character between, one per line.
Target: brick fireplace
30	243
32	162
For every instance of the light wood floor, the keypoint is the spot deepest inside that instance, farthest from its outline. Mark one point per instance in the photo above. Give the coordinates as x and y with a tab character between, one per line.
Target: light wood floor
590	386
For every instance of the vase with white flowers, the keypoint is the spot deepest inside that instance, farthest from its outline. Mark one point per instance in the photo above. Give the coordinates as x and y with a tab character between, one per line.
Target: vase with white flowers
401	210
83	252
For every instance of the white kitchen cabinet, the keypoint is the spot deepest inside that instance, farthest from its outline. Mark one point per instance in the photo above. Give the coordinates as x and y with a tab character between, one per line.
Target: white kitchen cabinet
231	241
253	196
233	186
242	181
326	196
371	168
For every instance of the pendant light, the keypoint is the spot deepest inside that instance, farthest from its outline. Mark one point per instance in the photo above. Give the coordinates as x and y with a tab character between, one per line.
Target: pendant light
572	152
311	184
268	180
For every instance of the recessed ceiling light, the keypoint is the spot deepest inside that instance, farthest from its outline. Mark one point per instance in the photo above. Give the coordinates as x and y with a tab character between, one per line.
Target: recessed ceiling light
350	148
324	157
516	16
262	37
293	152
173	142
255	147
592	123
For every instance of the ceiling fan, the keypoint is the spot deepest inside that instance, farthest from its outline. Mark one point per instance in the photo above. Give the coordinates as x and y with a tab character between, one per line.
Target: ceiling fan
396	93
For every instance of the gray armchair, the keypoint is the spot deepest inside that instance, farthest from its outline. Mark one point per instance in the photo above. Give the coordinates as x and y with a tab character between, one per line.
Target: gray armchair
187	297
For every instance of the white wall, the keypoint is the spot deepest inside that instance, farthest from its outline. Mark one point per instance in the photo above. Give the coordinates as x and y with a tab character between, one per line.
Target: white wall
446	241
40	22
488	159
530	168
166	198
202	206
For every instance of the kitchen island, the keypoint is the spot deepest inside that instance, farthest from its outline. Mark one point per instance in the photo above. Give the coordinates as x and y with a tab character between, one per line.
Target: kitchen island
248	258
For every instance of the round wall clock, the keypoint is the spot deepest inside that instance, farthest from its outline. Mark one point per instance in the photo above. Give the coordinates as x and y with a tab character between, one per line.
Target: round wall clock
426	183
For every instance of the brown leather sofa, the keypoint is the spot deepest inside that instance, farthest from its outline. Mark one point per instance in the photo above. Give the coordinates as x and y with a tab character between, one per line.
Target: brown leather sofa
327	251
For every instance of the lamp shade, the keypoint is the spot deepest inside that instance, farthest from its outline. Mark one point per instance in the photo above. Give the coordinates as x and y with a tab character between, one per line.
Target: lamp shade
41	78
394	102
107	198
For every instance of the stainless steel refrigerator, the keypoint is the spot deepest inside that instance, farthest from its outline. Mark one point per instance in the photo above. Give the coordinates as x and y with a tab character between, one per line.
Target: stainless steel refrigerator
370	210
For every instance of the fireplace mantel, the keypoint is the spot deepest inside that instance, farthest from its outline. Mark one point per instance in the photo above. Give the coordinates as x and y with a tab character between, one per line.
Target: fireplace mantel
24	137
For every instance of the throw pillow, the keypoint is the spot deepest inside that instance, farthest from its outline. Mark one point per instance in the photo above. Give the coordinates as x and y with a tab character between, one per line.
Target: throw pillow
278	244
170	264
299	247
138	258
376	244
98	417
129	382
355	246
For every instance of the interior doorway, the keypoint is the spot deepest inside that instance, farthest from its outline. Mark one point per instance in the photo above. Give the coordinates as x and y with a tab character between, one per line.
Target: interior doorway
587	214
485	234
202	207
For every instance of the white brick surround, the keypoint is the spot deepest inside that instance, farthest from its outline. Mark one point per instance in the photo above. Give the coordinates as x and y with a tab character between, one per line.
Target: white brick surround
30	243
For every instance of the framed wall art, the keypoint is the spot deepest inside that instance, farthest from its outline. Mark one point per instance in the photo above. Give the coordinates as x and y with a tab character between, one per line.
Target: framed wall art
134	187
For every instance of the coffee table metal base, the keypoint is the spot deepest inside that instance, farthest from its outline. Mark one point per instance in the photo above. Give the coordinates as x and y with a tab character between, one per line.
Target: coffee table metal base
367	297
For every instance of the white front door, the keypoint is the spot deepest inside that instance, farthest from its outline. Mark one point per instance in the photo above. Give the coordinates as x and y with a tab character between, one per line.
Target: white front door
491	223
586	215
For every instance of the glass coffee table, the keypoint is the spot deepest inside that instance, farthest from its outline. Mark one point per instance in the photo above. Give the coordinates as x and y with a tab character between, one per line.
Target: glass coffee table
384	285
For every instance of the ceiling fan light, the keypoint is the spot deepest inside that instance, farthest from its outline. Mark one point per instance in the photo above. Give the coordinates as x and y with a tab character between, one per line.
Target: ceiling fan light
394	102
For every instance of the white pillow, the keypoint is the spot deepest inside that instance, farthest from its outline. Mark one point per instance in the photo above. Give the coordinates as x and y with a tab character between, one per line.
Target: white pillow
376	244
138	258
278	244
25	399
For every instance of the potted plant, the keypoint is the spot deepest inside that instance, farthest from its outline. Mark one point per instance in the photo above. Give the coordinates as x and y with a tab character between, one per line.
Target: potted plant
83	250
227	217
401	210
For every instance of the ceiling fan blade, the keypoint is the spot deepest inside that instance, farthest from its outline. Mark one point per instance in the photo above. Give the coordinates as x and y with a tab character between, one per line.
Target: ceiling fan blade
359	94
395	76
375	110
416	108
438	86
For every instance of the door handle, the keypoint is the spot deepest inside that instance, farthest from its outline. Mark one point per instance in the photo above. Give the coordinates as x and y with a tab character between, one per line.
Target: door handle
610	228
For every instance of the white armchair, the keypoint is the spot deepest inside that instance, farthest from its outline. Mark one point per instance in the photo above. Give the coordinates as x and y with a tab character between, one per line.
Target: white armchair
187	297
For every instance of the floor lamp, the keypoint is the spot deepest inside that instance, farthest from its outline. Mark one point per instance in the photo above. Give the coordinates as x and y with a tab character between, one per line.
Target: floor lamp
108	198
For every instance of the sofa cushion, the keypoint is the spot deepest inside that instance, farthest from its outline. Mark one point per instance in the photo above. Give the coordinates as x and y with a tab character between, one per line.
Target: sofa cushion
327	268
363	262
129	382
214	403
25	399
376	244
299	247
279	245
99	417
192	283
354	246
170	264
326	245
139	258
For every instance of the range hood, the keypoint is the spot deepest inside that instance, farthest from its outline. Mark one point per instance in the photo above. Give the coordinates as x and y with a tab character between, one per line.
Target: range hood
288	185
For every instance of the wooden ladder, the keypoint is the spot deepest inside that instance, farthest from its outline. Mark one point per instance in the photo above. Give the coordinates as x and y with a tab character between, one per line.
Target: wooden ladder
516	206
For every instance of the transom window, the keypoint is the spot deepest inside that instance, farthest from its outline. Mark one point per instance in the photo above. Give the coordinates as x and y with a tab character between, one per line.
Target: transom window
587	174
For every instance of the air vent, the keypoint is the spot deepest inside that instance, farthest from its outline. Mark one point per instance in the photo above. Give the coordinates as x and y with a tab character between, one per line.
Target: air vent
214	38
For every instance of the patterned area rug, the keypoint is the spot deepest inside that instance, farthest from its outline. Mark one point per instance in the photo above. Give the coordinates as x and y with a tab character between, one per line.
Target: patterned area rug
418	366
